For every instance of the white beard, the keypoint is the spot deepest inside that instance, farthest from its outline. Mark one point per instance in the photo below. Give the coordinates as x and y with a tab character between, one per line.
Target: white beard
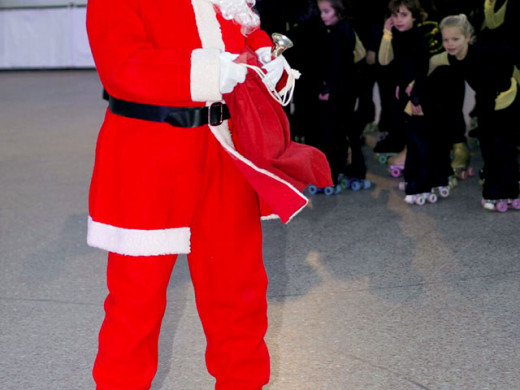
239	11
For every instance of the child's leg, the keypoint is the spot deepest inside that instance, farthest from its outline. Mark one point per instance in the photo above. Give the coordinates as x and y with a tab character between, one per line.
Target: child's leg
128	339
498	148
416	171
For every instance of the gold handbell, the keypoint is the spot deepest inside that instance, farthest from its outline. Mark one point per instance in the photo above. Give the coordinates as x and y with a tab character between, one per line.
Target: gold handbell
281	43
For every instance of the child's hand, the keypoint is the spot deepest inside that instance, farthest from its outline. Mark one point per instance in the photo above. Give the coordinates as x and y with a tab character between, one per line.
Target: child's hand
324	97
371	57
417	110
389	23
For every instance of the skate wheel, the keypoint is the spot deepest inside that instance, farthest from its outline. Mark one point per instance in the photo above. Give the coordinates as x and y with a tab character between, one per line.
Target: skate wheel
312	189
328	191
367	184
396	172
444	192
421	200
516	204
471	171
432	198
463	175
383	159
501	206
337	189
402	186
344	183
355	185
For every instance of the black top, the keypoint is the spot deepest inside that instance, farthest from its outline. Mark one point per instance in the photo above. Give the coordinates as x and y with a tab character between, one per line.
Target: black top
488	71
411	60
338	60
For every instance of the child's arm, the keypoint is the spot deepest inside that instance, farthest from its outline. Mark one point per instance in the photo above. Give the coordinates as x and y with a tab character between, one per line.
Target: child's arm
494	19
386	51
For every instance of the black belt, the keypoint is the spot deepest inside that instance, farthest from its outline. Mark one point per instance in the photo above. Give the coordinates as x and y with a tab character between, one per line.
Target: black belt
213	115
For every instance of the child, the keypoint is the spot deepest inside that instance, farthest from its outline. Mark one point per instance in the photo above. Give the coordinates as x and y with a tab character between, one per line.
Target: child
489	72
338	97
404	47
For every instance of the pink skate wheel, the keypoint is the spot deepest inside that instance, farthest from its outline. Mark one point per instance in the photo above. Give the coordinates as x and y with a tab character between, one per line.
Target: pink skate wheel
516	204
396	172
463	175
471	171
501	206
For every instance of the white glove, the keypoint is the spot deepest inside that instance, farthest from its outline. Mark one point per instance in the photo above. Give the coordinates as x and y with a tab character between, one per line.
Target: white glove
264	55
231	73
274	70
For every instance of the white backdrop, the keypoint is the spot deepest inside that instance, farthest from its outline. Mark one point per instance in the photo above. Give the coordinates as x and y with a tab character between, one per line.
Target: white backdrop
44	38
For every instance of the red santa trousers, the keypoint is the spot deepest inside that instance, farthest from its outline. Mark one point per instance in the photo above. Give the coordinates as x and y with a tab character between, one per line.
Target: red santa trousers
230	286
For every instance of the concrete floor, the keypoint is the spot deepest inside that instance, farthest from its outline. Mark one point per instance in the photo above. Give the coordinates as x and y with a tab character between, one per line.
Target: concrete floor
365	291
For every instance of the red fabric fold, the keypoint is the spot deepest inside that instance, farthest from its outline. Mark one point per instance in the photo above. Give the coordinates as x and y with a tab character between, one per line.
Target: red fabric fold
261	133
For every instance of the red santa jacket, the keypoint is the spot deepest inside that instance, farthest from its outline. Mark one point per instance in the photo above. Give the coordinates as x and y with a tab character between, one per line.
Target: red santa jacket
160	52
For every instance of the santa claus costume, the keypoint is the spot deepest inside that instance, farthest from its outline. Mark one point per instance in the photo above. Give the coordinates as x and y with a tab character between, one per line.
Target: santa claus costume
168	179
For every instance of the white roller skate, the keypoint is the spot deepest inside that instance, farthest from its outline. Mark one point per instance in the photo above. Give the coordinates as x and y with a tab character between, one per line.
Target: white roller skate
501	205
421	199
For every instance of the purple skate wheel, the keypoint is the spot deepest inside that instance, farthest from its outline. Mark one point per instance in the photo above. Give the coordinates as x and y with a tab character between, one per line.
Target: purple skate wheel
471	171
501	206
312	189
432	198
463	175
328	191
516	204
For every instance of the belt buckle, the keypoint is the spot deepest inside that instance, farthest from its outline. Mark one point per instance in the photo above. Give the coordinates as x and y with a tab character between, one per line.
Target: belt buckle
220	107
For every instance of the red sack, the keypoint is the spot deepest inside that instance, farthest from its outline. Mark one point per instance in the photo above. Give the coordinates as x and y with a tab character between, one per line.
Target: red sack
260	131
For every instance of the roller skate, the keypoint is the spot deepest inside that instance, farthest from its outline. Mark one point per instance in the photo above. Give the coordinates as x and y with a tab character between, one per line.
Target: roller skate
421	199
445	191
386	148
460	161
396	164
396	170
355	184
501	205
330	190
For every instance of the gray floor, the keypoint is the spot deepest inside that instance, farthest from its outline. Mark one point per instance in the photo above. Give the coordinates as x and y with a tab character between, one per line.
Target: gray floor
365	292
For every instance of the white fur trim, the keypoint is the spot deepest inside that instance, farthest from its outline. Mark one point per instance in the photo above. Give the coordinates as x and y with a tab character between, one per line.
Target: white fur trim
135	242
269	217
208	25
205	75
223	136
205	63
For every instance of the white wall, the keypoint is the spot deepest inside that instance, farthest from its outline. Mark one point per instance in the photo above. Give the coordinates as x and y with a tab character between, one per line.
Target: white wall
39	3
44	38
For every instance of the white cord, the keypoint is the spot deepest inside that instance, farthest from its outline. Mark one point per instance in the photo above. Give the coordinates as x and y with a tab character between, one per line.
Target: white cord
285	95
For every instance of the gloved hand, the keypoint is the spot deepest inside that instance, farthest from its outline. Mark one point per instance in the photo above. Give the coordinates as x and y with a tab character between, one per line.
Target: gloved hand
274	70
231	73
264	55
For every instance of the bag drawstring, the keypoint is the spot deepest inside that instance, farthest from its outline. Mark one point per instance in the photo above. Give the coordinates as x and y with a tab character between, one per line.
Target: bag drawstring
284	96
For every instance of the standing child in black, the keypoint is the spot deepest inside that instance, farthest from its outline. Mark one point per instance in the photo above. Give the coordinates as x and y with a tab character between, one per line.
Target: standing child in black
340	129
405	49
489	72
